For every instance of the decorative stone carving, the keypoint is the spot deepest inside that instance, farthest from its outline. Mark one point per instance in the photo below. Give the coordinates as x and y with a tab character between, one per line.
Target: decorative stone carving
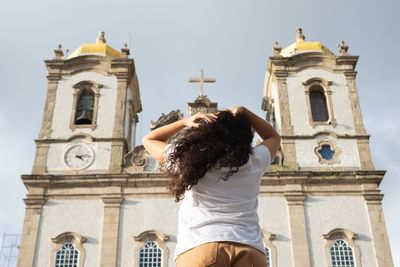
171	117
59	52
202	104
343	49
277	49
136	160
299	35
125	51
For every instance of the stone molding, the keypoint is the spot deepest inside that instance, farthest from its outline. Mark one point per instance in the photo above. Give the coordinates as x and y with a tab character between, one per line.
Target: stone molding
334	135
72	237
151	235
154	185
348	236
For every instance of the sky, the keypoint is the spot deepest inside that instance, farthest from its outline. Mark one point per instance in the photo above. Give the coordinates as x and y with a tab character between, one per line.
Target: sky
172	40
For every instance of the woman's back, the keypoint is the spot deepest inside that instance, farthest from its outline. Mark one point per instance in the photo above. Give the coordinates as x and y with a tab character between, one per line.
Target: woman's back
218	210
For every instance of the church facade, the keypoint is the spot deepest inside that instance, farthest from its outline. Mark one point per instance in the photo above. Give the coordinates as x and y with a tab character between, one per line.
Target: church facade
96	199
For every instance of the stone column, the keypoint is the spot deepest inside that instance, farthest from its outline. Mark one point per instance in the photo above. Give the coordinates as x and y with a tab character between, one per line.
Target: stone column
27	249
380	238
288	147
300	250
109	240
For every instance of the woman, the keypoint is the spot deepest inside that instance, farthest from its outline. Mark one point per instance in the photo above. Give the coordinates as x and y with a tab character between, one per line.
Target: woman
216	173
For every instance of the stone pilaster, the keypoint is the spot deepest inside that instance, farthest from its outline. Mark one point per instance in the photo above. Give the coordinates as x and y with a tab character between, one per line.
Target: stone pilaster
27	249
300	250
39	166
109	240
362	144
288	147
380	238
117	148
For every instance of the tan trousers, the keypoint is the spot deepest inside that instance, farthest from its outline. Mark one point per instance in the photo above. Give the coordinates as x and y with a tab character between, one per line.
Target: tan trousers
222	254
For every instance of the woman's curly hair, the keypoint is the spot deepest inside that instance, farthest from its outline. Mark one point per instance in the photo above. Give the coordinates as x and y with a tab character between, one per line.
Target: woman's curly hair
223	143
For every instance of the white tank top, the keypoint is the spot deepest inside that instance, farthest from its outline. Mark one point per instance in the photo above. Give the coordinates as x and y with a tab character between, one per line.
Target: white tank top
218	210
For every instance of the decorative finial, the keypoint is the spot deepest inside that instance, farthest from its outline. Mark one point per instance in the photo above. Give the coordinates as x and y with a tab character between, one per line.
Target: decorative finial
101	39
277	49
125	51
299	35
343	49
59	52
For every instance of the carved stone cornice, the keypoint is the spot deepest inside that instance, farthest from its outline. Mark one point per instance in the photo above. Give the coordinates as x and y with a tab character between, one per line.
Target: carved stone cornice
112	200
338	136
350	74
67	140
373	197
277	183
34	202
295	198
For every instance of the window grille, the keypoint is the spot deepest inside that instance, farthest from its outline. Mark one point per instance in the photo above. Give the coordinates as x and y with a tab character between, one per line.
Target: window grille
150	255
342	254
268	256
319	110
67	256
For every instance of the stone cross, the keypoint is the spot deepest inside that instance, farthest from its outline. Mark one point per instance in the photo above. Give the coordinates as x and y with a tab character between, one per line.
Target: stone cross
202	80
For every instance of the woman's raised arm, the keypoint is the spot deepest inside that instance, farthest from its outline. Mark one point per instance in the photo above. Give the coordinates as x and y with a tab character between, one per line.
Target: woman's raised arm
271	138
156	141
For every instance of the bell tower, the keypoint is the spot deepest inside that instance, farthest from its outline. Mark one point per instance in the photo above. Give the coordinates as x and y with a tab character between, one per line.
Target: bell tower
310	95
91	111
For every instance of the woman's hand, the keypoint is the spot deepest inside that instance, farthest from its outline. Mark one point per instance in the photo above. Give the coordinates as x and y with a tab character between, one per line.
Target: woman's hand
199	118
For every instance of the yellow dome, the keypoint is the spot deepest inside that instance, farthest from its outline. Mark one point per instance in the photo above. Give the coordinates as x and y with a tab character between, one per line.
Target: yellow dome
99	48
301	46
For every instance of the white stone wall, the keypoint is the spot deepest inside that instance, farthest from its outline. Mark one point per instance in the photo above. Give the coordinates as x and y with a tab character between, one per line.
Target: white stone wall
274	218
348	157
56	163
274	91
127	118
84	217
325	213
143	214
298	103
64	106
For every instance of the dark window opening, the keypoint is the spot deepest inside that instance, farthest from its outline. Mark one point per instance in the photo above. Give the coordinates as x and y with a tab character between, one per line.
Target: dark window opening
84	107
319	109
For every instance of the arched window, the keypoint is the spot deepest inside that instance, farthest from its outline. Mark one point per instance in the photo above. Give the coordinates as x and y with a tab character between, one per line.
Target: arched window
340	248
341	254
150	255
319	109
67	256
151	250
68	250
84	107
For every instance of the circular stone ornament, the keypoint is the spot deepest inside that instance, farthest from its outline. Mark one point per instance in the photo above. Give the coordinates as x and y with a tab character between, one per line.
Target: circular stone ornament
79	156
